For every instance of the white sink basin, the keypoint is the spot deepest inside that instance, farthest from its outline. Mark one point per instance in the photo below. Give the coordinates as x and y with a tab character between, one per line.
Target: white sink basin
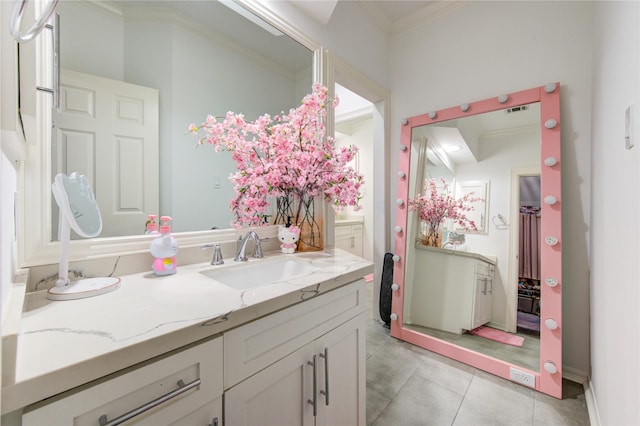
247	275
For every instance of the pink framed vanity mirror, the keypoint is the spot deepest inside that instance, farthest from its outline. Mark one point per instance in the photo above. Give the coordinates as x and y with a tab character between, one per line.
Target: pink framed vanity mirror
486	280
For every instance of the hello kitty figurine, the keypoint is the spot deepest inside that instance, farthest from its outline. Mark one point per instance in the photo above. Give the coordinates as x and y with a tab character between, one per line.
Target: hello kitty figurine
288	236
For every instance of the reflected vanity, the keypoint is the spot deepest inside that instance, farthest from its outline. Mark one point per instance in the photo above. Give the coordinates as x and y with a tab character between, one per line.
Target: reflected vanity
443	293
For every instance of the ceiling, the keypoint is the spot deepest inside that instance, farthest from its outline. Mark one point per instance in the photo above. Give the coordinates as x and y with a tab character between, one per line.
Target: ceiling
392	16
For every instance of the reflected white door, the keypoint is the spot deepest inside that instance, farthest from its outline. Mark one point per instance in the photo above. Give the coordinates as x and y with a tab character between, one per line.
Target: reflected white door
107	130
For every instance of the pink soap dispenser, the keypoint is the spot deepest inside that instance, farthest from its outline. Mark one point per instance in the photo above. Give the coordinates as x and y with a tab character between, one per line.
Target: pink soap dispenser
151	226
164	248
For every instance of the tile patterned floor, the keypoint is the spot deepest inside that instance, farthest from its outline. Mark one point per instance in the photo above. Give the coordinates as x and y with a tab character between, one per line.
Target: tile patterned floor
408	385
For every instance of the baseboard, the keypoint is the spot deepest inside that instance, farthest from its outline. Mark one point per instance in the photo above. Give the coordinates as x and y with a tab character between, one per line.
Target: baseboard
592	405
574	375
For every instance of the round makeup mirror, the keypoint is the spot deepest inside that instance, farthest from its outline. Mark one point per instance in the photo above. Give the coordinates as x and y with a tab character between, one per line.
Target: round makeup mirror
78	211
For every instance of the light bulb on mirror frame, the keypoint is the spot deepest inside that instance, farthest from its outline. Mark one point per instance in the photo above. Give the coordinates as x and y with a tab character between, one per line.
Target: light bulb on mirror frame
550	123
550	367
551	324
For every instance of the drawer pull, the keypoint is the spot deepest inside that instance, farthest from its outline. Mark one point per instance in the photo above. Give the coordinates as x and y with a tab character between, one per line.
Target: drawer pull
325	392
314	401
182	388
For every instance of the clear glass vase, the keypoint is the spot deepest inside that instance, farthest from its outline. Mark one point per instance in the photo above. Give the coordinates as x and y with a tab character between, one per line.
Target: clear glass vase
304	211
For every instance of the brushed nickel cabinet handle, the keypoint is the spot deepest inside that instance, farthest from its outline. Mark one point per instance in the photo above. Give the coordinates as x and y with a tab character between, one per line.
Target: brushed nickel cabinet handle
325	392
182	388
314	401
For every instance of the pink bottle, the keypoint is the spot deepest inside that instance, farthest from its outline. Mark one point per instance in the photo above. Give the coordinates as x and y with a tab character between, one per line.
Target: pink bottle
164	248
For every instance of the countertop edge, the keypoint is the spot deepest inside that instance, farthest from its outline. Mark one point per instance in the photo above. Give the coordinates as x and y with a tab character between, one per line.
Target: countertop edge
479	256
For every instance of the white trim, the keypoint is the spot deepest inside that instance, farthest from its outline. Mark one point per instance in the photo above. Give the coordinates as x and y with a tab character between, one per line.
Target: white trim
13	146
574	375
592	404
354	115
263	11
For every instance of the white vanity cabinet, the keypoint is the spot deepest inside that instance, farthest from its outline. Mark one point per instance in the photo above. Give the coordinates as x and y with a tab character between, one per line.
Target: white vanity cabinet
452	291
184	387
482	302
348	236
304	365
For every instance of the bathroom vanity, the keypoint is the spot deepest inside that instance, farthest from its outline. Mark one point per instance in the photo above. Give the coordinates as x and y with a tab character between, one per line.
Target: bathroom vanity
453	290
186	348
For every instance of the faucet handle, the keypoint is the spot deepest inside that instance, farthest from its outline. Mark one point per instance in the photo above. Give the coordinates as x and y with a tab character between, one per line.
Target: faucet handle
257	251
217	255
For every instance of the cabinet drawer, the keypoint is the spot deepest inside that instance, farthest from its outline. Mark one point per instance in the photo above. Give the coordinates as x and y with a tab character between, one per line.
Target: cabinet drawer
343	230
169	389
254	346
484	268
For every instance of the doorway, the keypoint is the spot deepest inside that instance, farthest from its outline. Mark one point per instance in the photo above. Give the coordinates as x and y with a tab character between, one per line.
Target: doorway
354	126
377	184
529	221
523	288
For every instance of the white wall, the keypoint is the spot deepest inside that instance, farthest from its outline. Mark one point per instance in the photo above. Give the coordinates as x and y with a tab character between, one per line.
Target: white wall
348	35
483	49
360	134
614	230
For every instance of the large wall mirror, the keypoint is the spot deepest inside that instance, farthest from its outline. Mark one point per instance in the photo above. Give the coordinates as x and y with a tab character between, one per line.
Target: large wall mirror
134	75
490	298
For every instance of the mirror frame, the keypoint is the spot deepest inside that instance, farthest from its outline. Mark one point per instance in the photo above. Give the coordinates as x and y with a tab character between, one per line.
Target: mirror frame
546	380
34	198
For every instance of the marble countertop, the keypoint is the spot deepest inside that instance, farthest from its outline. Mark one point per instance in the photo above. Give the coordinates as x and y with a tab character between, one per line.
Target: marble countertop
487	258
64	344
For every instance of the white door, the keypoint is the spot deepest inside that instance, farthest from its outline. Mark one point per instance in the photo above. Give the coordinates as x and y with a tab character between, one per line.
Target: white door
278	395
108	131
341	374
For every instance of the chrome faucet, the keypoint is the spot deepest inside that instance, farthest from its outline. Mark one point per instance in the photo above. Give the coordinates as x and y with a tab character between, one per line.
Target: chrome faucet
242	245
217	258
449	242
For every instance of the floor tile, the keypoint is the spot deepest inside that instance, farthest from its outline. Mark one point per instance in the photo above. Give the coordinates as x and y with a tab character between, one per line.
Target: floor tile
420	402
408	385
376	402
491	402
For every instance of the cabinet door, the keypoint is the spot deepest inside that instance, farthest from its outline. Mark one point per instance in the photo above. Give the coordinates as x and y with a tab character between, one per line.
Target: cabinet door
349	238
278	395
207	415
483	301
341	374
344	242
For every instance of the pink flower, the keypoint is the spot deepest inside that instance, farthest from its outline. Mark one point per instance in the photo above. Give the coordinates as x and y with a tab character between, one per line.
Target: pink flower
284	155
436	205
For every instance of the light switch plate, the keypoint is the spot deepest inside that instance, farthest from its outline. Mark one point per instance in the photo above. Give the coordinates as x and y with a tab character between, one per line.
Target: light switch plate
629	127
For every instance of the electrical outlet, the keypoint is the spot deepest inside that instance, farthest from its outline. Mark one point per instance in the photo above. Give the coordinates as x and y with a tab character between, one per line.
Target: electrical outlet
522	377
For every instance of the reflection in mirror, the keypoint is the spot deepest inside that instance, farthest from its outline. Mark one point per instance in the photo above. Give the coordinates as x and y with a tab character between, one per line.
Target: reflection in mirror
490	145
477	297
135	74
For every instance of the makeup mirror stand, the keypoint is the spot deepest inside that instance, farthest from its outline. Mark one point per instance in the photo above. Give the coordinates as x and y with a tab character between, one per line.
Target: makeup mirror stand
70	192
